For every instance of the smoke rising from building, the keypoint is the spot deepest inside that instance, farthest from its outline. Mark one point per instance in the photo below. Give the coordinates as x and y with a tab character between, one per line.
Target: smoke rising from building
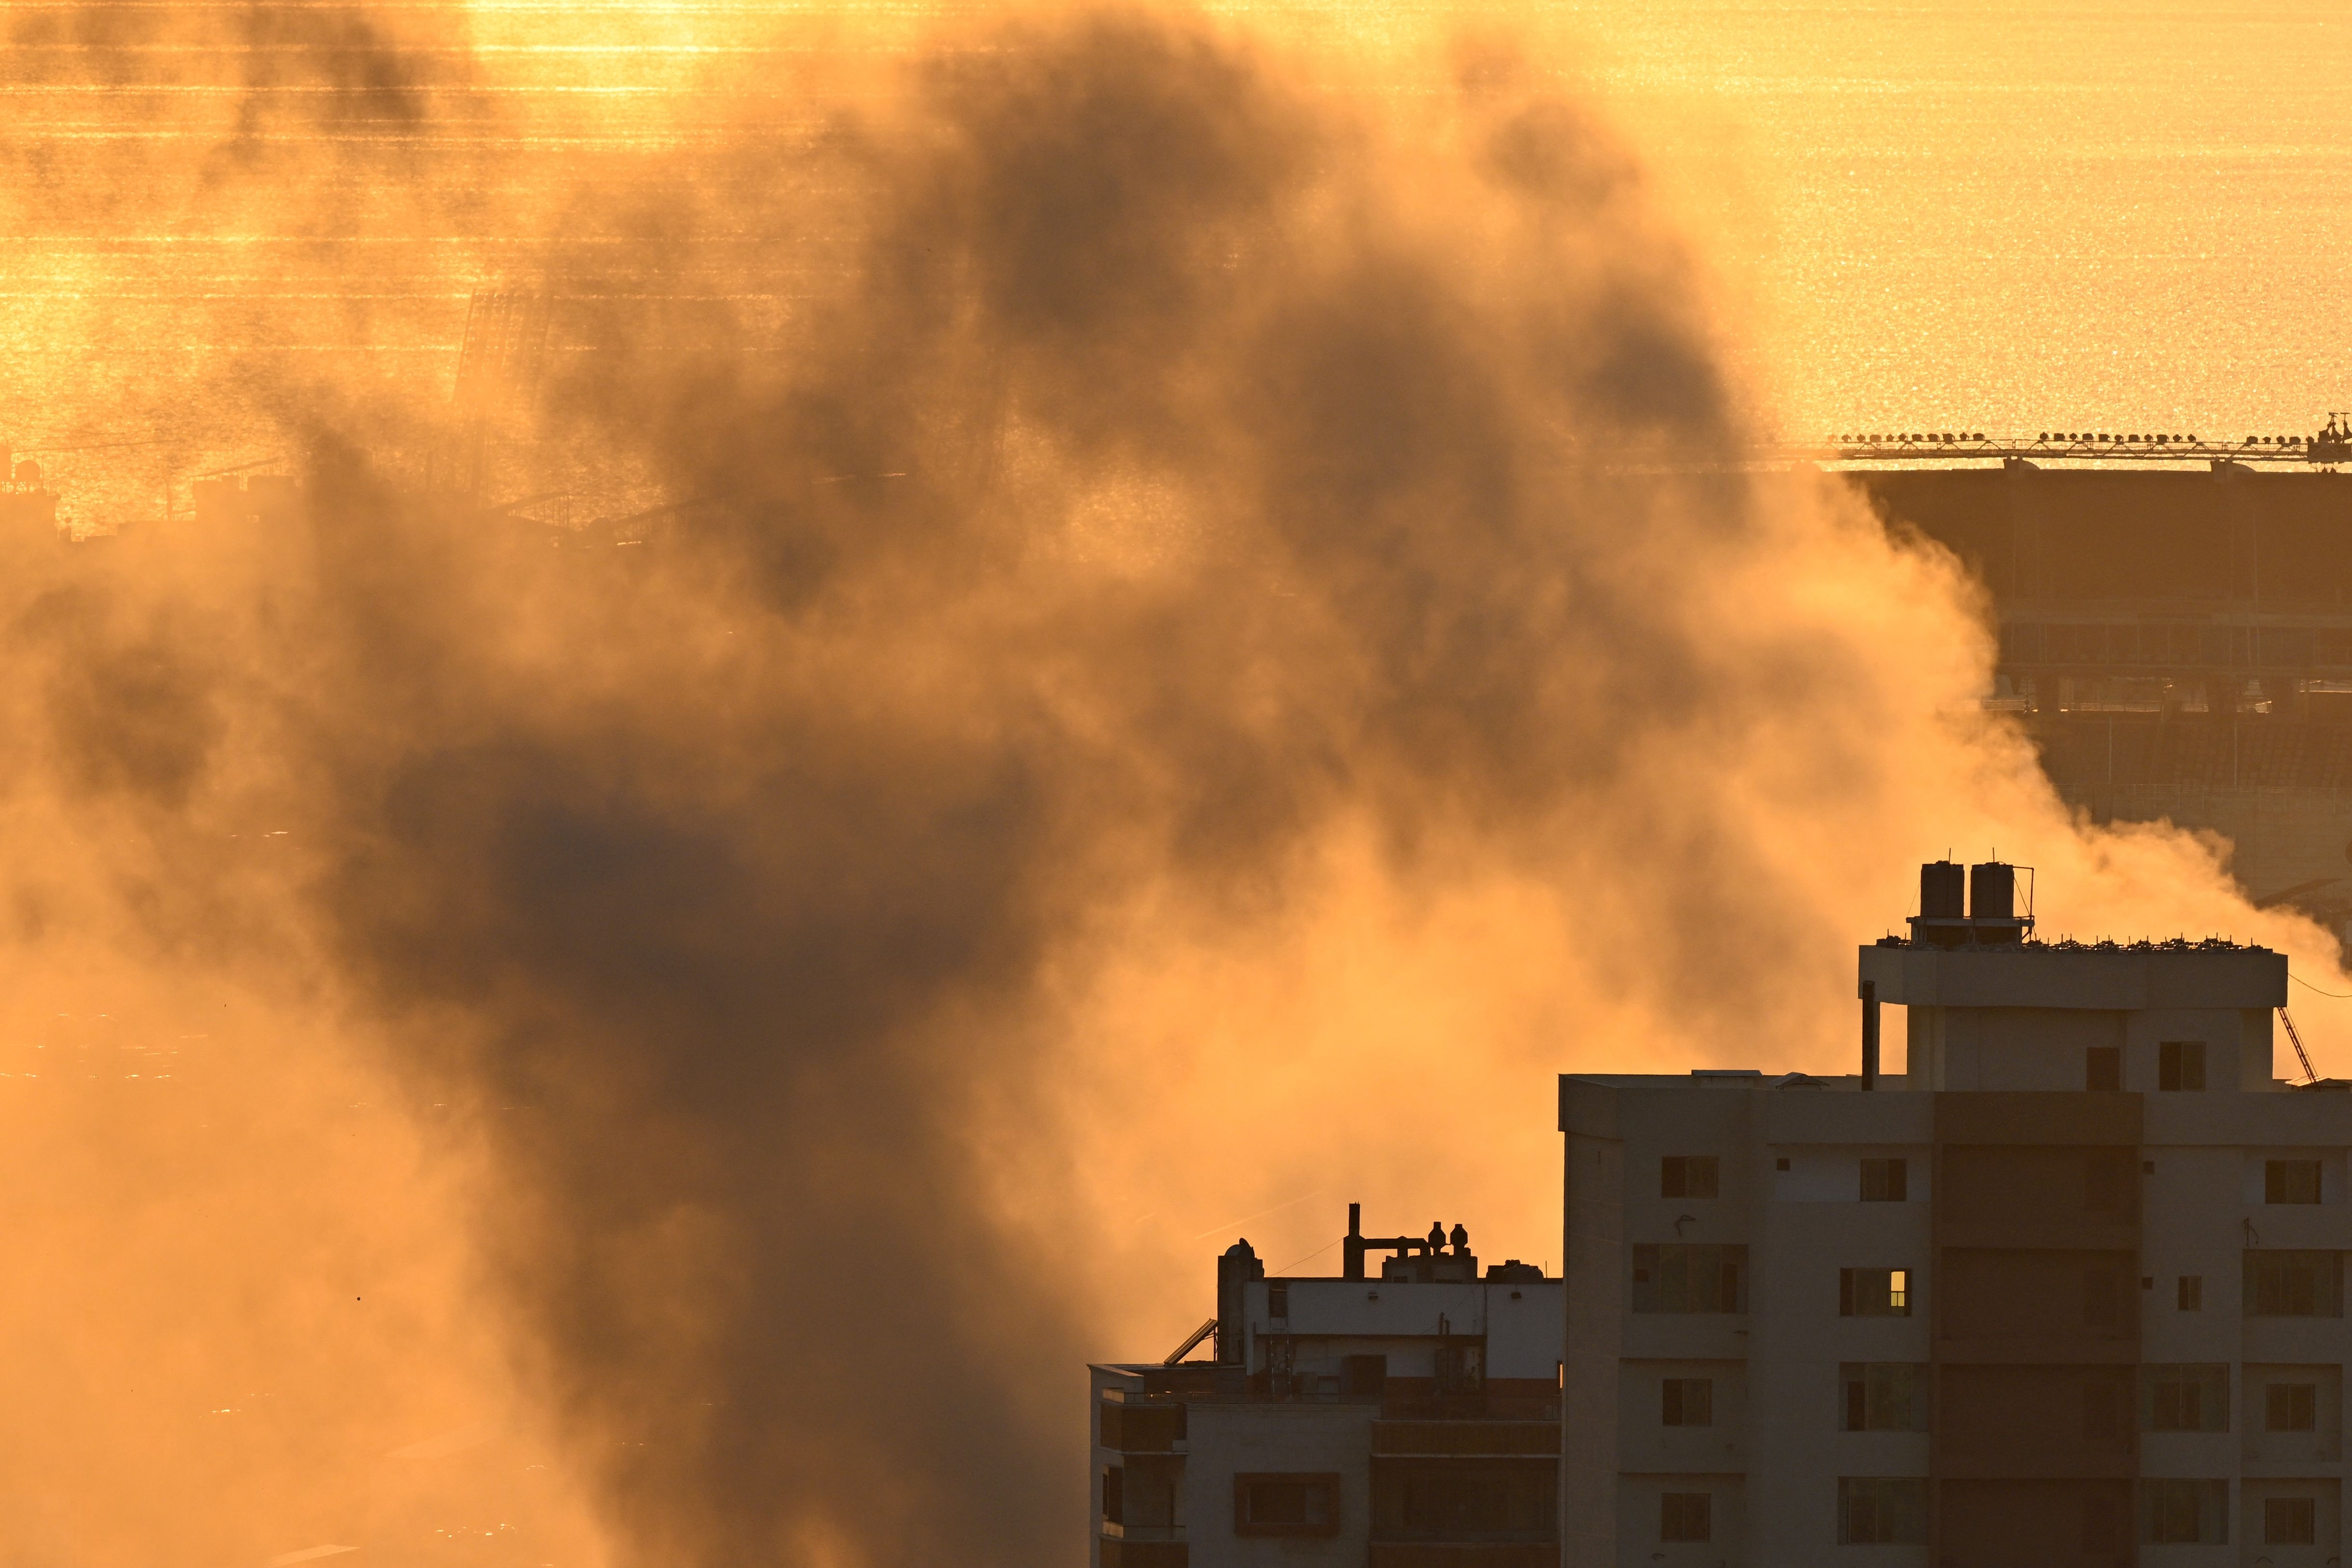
1208	654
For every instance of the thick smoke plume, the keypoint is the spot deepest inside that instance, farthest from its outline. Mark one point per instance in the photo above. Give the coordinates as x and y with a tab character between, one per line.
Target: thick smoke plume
1215	643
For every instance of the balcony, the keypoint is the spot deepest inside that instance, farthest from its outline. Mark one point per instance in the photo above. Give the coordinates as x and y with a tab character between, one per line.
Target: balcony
1143	1428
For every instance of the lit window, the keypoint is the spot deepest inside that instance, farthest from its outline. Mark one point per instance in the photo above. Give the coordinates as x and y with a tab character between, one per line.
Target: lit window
1875	1292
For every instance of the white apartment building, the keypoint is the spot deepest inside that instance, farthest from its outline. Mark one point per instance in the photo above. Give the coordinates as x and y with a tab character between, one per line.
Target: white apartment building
2069	1290
1407	1417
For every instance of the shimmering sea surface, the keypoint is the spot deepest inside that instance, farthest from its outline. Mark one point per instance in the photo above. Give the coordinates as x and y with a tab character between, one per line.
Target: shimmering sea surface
1994	217
2010	218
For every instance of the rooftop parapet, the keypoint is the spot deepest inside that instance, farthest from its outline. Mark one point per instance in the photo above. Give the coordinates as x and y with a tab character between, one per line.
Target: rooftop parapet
2105	976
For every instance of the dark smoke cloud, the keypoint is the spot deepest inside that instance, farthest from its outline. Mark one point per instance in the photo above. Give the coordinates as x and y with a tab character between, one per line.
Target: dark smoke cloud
755	929
1182	472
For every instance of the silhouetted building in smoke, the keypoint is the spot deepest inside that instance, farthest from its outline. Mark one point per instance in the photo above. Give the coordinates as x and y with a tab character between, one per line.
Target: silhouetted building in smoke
2177	644
1406	1419
2069	1290
29	509
272	498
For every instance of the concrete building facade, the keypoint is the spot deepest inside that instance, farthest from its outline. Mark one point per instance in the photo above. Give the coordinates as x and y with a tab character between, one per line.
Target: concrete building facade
2068	1290
1402	1417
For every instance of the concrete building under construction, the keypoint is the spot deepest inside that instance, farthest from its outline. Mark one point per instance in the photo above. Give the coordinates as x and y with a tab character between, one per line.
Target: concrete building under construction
2070	1291
2178	642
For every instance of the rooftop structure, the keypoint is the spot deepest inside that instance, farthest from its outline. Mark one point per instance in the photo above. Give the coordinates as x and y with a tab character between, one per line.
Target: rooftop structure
1403	1417
2066	1290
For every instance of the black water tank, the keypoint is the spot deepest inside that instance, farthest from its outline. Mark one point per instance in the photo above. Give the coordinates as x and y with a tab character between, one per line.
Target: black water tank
1940	887
1235	1264
1992	891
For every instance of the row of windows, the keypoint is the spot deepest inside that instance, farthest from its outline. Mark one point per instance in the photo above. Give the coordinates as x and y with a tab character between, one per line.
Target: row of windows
1701	1175
1706	1277
1495	1501
1874	1396
2175	643
2193	1398
1893	1510
1892	1396
2107	1181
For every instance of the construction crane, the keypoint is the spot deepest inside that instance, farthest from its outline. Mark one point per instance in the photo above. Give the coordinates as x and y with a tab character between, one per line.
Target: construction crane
498	366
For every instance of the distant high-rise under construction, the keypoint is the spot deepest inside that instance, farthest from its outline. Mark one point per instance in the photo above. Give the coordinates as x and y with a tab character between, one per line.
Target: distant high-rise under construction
2178	642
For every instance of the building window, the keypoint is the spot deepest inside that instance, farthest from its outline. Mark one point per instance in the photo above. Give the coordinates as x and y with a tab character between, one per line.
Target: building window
1688	1402
2290	1181
2180	1065
1883	1181
1277	1301
2185	1510
2289	1521
1690	1279
2191	1293
1287	1505
1873	1292
1686	1516
2103	1067
1461	1500
1688	1176
1880	1509
2185	1398
2294	1284
1883	1396
1114	1494
2291	1406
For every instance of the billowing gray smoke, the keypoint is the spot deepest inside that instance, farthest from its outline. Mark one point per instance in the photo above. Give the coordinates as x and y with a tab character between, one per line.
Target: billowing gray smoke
1166	474
1150	492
